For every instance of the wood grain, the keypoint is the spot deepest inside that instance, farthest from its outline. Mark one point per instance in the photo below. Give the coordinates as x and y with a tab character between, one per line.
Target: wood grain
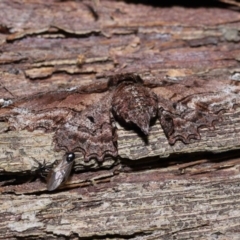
153	190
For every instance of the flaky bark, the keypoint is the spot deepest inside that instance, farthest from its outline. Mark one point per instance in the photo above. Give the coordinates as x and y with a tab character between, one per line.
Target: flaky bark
153	190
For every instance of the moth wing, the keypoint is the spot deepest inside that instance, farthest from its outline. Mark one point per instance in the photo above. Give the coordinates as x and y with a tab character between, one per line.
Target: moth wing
182	119
90	131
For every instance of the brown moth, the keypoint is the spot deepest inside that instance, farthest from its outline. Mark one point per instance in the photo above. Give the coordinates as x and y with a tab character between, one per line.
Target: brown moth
83	119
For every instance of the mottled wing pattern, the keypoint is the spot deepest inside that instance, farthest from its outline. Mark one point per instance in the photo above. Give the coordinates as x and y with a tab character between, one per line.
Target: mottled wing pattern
90	131
184	119
46	111
185	126
84	120
132	103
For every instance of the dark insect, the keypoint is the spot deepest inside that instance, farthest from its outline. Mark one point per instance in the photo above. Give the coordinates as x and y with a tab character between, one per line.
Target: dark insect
43	169
83	119
59	175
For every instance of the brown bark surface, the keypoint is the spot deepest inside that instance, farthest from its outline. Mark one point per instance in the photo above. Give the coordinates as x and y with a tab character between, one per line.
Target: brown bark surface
153	190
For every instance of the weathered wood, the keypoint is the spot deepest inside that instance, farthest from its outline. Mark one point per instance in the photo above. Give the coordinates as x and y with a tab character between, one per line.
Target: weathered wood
154	190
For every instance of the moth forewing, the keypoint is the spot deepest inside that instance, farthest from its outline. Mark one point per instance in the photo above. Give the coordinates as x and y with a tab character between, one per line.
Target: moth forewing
59	175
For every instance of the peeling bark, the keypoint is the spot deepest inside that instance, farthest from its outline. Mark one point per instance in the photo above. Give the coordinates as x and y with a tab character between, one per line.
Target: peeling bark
153	190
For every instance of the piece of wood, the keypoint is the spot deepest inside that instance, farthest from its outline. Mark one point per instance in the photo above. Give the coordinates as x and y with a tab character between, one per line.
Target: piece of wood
152	190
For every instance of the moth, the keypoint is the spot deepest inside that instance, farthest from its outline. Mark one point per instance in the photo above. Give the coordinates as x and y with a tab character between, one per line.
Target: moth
83	119
59	174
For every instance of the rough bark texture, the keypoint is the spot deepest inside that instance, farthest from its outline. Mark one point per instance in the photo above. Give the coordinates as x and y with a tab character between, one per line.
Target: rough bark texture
153	190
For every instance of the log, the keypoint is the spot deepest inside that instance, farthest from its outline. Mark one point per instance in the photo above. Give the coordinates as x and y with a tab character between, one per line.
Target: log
152	190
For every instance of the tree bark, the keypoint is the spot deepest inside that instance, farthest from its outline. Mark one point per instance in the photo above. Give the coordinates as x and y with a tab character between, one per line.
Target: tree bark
152	190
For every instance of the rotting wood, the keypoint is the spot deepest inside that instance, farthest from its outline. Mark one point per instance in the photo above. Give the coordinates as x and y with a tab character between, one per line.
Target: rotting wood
190	195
